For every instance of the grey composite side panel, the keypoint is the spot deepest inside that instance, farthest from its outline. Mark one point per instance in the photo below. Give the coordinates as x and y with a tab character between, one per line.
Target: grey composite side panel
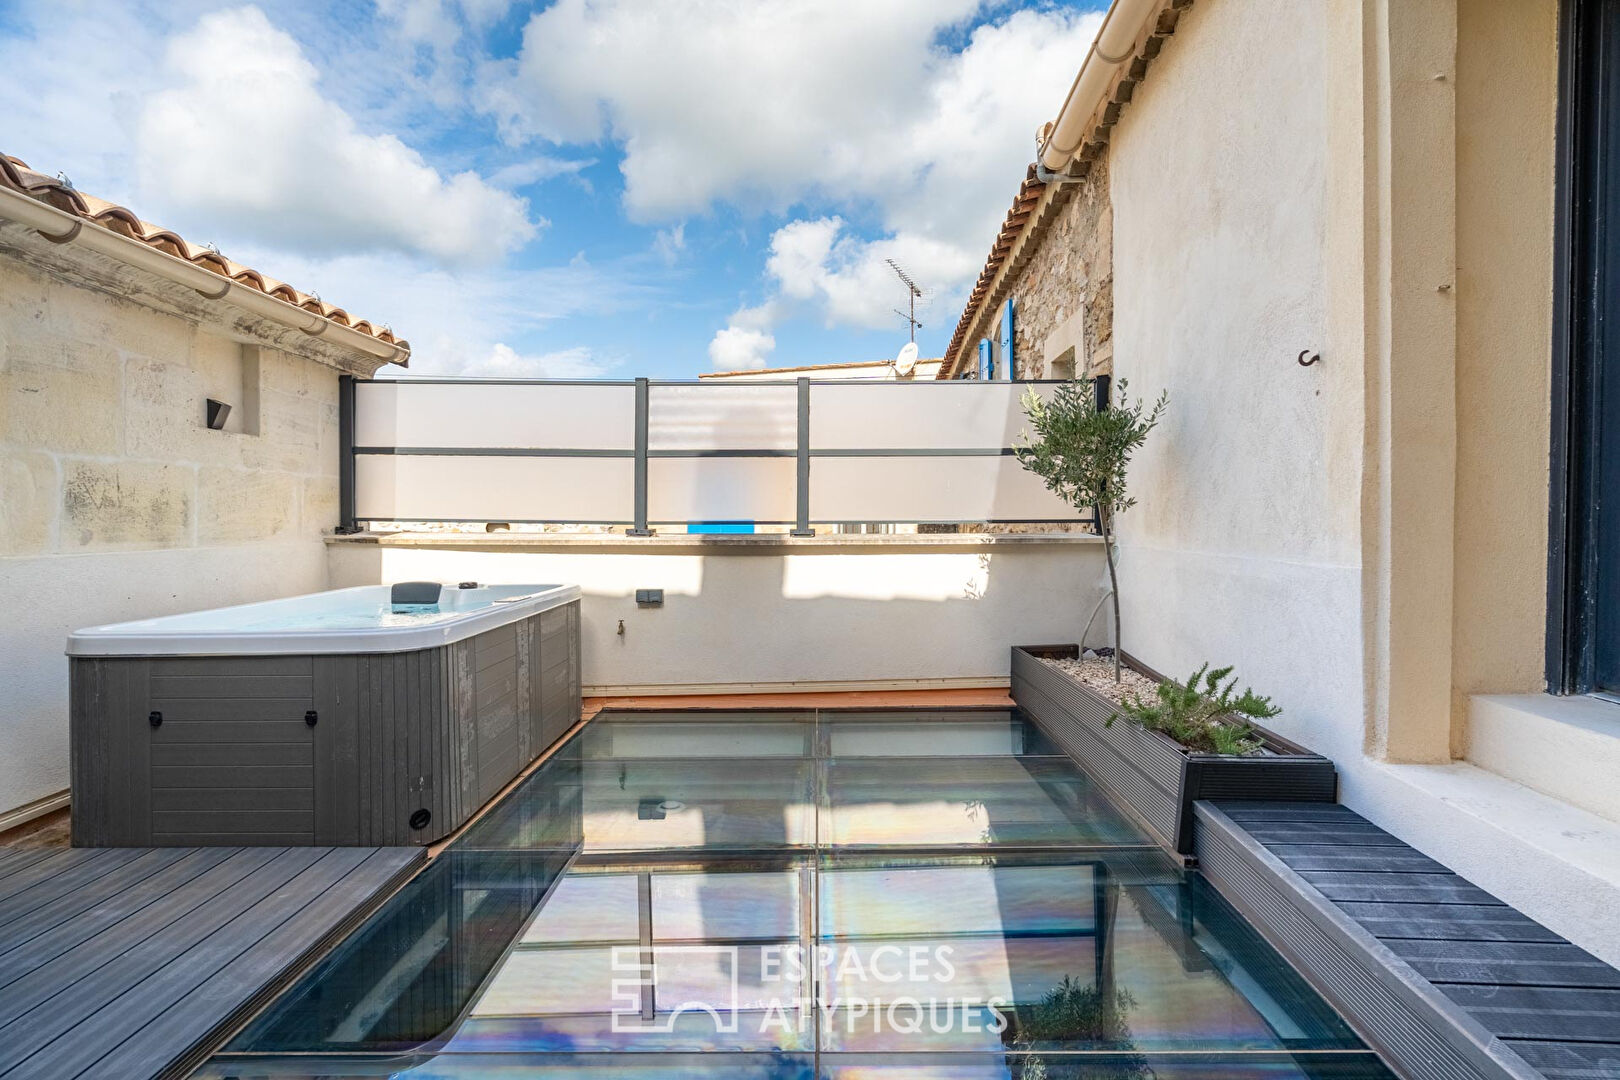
108	707
496	719
337	789
233	760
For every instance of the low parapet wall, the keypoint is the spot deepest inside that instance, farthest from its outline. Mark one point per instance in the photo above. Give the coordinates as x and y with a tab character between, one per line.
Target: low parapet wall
774	612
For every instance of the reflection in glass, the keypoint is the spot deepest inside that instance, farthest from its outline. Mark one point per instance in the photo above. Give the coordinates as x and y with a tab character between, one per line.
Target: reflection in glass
926	895
966	802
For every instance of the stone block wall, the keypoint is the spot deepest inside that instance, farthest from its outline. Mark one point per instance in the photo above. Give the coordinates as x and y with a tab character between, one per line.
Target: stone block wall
1068	284
103	443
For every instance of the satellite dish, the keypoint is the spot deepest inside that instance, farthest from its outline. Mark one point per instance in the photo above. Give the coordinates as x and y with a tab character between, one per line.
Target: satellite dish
907	358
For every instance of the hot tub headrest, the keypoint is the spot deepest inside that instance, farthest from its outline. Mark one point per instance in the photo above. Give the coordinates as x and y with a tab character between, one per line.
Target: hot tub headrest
415	592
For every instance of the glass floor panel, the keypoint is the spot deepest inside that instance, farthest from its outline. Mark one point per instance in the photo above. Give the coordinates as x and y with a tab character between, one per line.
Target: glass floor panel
834	895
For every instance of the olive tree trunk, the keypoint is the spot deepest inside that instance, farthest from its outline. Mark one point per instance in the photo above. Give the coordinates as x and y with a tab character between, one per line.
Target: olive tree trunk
1105	527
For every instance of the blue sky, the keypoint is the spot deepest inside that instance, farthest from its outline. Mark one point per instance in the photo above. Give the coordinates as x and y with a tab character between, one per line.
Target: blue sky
581	188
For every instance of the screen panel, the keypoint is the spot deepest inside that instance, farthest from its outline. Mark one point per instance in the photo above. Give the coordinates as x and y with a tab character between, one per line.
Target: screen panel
930	489
706	416
958	414
721	489
439	488
496	415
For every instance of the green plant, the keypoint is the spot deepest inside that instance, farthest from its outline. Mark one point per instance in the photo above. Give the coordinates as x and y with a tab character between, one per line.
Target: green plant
1082	452
1203	713
1074	1012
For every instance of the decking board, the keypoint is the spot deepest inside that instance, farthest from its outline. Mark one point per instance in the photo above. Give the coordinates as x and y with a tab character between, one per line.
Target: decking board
1522	988
134	963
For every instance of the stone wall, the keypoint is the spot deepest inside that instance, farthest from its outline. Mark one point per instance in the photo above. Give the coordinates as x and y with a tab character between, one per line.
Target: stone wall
1065	295
118	502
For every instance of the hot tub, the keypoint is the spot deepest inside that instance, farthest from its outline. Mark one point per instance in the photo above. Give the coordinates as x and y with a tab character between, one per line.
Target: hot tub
339	717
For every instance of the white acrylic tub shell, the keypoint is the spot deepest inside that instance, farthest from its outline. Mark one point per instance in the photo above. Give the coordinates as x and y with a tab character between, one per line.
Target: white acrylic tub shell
357	620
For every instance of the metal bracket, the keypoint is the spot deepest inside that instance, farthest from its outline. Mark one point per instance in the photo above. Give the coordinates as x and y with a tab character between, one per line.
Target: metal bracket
311	717
154	718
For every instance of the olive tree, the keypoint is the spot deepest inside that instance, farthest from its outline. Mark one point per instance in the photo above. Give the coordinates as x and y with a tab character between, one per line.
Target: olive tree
1081	452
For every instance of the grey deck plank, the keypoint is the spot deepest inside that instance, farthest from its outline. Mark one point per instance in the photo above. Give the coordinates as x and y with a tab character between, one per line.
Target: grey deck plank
44	869
1448	922
80	874
1505	963
64	989
1570	1061
1339	857
149	1001
1371	885
213	1005
138	971
22	860
1558	1006
1537	1012
51	932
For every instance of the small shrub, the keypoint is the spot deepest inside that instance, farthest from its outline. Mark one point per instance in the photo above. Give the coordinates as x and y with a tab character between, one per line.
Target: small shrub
1204	713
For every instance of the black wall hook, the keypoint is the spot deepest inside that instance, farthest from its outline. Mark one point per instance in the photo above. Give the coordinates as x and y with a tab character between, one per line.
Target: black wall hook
1314	357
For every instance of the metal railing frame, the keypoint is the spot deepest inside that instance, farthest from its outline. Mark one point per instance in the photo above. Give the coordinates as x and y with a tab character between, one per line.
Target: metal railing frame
803	453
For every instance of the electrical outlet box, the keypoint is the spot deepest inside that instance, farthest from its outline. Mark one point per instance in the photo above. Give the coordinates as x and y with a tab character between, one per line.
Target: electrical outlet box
650	597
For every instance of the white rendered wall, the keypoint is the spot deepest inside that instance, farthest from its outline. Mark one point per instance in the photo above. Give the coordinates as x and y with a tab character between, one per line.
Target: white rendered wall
828	616
1245	547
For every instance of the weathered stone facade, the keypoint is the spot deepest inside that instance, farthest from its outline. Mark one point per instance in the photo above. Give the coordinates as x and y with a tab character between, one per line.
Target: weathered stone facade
102	434
1065	295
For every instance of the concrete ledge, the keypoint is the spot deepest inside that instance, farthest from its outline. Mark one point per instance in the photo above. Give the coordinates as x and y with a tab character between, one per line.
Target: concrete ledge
718	543
1565	747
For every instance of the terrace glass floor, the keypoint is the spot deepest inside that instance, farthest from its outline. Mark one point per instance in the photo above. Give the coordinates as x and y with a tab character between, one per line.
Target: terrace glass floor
802	896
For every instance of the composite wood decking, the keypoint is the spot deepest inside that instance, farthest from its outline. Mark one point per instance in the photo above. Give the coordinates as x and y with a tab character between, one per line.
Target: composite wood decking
1332	889
131	963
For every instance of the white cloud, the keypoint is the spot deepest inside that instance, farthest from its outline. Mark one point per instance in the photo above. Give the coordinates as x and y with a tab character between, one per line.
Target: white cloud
716	100
669	243
244	140
746	343
738	349
840	102
504	362
542	167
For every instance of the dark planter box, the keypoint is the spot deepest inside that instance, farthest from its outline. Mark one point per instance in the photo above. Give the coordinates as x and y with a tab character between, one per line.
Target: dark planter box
1152	775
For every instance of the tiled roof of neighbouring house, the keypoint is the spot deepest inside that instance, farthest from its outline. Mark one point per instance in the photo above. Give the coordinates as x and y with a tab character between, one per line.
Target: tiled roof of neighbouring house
16	175
1029	193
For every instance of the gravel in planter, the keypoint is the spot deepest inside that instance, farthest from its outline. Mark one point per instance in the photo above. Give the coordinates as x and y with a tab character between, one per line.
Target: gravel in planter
1098	675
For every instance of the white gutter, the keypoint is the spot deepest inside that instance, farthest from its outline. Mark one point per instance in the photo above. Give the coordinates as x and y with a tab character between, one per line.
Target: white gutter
65	228
1113	46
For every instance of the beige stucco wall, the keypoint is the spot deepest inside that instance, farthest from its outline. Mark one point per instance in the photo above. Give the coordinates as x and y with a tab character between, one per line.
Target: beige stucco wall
116	501
751	614
1507	91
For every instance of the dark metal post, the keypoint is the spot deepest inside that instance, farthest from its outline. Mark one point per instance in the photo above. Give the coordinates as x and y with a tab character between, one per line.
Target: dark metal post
346	514
640	528
802	524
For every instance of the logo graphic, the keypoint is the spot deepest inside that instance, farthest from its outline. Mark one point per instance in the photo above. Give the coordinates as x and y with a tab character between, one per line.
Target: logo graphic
636	1003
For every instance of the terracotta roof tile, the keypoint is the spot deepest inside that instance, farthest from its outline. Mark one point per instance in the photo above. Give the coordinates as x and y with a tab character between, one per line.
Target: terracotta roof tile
1029	193
16	175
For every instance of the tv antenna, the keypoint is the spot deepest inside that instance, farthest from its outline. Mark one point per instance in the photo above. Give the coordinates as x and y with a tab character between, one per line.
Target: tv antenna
912	293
